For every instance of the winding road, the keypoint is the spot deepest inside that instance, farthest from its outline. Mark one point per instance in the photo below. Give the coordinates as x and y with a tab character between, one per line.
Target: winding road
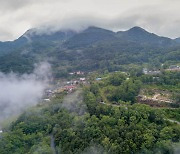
53	147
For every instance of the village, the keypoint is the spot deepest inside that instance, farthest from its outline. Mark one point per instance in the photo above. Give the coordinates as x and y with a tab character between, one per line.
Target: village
157	99
155	72
65	86
152	97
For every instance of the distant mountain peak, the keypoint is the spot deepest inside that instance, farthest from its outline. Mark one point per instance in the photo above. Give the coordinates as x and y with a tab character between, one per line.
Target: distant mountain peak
138	30
140	35
31	32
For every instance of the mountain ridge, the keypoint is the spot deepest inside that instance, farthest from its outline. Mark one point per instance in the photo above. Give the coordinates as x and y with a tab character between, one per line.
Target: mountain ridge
91	49
35	31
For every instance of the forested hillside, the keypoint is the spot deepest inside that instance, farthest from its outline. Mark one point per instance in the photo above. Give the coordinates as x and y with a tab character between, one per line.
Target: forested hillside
101	117
92	49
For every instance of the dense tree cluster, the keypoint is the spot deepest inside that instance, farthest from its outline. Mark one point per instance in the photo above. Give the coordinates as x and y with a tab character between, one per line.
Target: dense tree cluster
103	127
116	87
173	113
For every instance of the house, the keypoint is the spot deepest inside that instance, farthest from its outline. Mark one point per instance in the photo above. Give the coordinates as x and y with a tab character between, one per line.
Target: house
98	79
79	73
68	82
145	70
82	79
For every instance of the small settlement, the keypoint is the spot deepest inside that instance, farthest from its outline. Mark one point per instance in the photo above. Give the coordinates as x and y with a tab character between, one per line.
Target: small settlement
173	68
65	86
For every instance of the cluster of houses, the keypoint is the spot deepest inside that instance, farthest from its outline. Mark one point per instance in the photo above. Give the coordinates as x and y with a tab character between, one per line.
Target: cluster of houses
174	68
77	81
150	72
77	73
155	72
68	87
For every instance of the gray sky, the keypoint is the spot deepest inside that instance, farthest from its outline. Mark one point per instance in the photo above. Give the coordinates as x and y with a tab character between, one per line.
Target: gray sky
158	16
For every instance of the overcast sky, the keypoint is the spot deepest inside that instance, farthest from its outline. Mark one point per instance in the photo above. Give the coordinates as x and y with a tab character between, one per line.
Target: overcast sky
158	16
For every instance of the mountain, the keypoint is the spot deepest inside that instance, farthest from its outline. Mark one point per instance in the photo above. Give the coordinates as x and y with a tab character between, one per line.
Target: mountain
139	35
90	36
91	49
136	34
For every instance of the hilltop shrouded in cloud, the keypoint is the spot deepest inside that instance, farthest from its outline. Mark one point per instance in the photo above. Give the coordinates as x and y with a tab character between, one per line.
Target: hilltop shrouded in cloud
18	92
158	16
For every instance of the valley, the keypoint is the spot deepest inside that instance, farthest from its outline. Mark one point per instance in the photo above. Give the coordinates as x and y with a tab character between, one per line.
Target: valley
90	77
109	92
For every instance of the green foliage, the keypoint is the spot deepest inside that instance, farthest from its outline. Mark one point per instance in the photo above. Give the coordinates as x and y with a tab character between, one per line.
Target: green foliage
173	113
116	87
116	79
166	78
104	128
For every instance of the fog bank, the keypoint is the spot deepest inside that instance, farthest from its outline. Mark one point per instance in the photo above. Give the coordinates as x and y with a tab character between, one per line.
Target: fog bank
17	92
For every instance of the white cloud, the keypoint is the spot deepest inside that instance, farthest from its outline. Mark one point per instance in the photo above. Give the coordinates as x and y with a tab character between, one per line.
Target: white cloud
18	92
159	16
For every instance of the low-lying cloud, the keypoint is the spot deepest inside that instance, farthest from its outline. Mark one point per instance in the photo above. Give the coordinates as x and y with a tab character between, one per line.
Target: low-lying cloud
18	92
